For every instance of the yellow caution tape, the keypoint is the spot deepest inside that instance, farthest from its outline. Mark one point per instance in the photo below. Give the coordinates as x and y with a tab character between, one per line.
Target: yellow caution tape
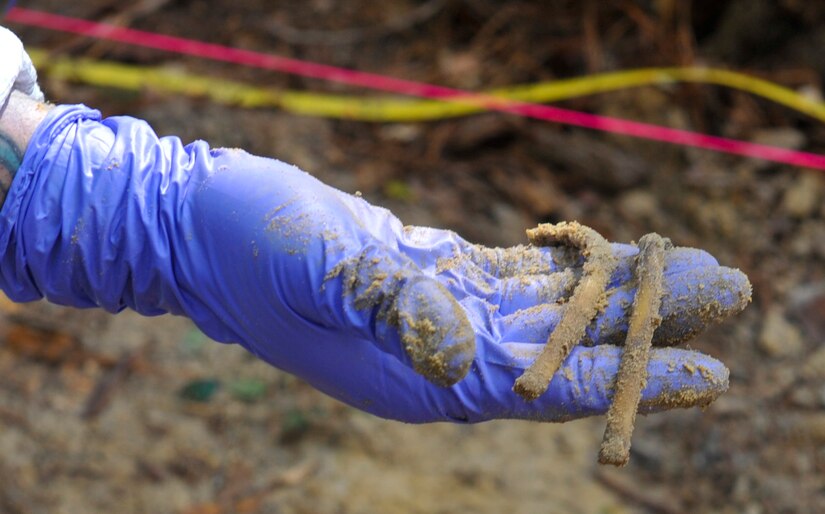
394	109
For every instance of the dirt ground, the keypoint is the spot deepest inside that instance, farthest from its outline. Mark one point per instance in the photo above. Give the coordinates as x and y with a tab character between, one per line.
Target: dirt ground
104	413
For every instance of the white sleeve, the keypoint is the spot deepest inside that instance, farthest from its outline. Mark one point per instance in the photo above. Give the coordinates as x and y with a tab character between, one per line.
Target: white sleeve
16	69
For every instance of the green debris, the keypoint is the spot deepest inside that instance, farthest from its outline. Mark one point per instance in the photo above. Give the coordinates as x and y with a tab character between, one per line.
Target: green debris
247	389
201	390
194	341
295	425
398	190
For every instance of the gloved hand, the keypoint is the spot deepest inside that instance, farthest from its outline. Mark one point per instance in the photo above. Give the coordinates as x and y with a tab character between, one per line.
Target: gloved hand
322	284
16	69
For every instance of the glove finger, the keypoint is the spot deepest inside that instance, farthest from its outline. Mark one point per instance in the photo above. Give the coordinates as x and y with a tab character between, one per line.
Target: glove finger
384	297
526	291
584	385
693	300
520	293
504	276
443	250
517	261
514	278
520	260
529	326
677	260
681	259
424	244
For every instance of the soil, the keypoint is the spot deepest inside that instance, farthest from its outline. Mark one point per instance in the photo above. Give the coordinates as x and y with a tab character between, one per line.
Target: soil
758	449
630	381
587	299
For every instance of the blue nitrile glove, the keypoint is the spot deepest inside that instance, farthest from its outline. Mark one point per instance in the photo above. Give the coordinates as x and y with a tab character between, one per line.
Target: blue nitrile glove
322	284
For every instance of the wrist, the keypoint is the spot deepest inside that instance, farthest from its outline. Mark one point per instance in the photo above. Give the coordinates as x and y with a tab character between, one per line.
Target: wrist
18	121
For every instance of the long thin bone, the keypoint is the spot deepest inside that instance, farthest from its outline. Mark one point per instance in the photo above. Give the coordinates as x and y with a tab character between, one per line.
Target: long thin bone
632	374
582	307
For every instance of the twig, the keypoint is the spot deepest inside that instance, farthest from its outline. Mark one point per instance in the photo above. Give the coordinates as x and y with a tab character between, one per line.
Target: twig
124	18
352	36
13	498
230	498
101	396
628	489
647	27
592	39
496	22
9	417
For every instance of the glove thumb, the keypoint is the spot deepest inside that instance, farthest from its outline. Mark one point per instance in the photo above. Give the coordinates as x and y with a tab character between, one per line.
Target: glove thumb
433	330
383	296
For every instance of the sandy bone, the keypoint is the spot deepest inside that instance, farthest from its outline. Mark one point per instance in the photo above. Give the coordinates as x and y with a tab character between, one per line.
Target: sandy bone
582	307
632	373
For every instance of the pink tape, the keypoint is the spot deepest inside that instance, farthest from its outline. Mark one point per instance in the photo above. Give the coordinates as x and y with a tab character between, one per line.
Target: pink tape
411	88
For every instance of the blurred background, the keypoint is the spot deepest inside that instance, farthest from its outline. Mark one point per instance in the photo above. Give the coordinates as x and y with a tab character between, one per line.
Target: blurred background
103	413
